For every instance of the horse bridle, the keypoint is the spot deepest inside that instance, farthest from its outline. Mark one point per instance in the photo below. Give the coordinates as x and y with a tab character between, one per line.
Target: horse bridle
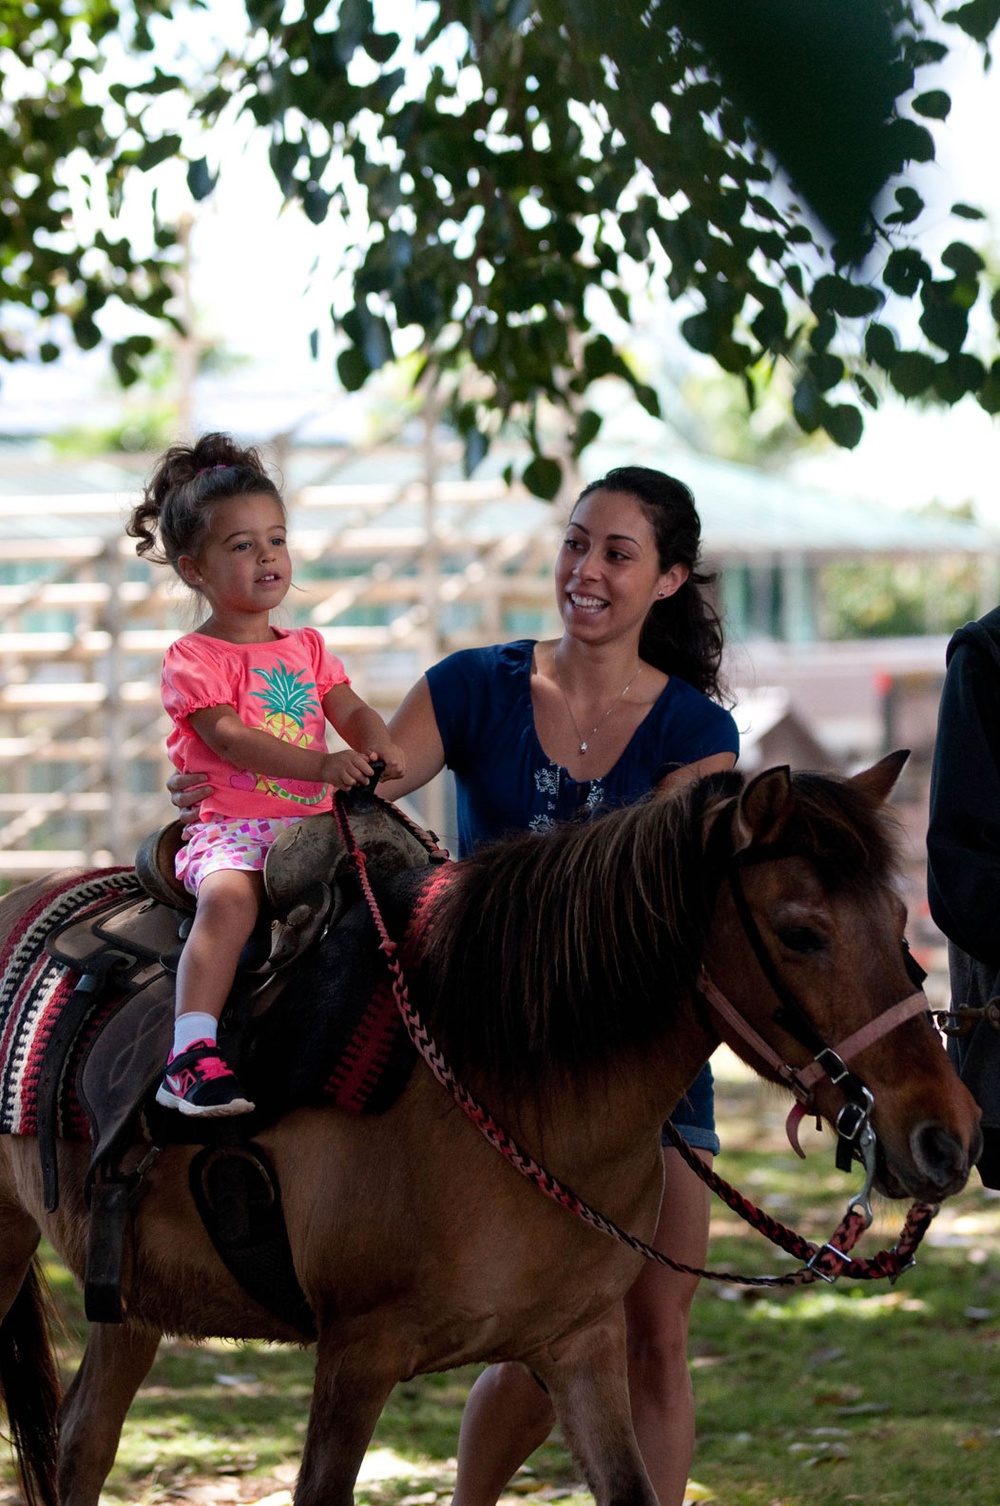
855	1135
825	1262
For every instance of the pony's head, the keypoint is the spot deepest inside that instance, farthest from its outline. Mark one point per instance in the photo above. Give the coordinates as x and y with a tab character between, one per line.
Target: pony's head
807	943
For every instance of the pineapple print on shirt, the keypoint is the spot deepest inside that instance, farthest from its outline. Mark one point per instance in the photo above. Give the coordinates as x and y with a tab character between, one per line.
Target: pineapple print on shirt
289	699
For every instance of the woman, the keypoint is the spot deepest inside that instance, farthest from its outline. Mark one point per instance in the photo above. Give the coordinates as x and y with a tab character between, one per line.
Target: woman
621	706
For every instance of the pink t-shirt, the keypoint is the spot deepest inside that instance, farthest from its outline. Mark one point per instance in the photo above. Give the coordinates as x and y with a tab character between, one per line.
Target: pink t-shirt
277	687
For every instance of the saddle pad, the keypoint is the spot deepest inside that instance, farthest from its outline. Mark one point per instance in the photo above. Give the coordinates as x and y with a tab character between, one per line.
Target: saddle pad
34	988
336	1035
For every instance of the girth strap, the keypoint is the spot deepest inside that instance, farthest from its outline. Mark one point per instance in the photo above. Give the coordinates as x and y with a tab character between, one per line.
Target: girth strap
58	1048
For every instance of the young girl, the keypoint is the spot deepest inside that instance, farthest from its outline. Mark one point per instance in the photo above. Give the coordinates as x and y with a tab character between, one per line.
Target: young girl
249	705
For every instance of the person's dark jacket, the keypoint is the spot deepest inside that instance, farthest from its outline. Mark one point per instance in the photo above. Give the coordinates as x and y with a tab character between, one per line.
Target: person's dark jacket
963	852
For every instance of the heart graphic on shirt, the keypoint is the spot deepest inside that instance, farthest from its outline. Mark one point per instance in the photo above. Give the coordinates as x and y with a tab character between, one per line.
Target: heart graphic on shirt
245	780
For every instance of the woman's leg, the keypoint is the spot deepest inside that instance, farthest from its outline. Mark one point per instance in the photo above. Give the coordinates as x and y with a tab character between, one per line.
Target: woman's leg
507	1414
657	1313
506	1417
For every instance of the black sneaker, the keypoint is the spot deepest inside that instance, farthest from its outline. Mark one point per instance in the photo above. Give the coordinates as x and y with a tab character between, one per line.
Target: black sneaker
198	1081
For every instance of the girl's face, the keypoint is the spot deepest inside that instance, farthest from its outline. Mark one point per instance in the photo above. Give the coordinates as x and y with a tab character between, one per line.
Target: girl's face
242	568
608	571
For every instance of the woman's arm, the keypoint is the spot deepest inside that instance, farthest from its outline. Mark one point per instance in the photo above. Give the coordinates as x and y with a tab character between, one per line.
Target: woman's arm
716	763
414	729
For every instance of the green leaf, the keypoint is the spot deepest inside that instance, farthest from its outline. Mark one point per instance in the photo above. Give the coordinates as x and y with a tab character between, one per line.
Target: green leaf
866	391
960	374
844	425
353	369
85	332
807	405
648	398
315	202
912	373
904	271
543	478
880	345
841	296
967	212
962	260
910	204
588	427
200	180
988	395
934	105
155	152
381	45
699	330
826	370
977	19
944	320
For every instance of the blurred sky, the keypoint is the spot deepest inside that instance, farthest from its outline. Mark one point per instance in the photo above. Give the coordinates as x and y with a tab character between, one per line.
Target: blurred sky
263	278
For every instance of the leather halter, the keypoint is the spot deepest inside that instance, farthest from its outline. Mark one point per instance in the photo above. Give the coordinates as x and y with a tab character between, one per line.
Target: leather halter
855	1136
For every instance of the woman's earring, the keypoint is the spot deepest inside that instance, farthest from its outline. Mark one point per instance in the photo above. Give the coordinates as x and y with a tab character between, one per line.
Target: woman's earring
661	594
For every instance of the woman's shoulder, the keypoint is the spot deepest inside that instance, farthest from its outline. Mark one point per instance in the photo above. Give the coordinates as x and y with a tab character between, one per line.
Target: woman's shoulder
683	704
483	664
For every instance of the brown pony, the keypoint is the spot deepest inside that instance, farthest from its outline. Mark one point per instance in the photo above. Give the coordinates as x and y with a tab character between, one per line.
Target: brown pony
560	978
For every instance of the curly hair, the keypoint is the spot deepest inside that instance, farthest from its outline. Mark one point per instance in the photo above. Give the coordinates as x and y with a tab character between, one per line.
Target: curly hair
187	482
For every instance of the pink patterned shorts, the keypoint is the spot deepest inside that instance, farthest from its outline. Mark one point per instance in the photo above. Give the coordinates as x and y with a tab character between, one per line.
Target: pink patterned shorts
227	844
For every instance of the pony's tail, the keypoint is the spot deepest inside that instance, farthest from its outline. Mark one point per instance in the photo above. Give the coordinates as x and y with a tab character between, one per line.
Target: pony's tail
31	1389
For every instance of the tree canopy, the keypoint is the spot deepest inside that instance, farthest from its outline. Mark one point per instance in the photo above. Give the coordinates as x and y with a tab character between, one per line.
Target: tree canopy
529	173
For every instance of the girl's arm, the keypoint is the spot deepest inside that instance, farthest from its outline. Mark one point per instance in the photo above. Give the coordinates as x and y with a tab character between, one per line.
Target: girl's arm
362	727
250	748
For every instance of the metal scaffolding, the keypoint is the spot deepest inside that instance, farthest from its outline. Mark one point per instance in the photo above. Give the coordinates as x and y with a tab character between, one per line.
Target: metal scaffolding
394	575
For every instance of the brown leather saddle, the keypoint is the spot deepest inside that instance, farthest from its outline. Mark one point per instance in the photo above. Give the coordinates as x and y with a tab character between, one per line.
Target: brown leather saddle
133	947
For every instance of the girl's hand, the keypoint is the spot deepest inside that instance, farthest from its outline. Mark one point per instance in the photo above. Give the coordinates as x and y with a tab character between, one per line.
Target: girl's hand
187	791
392	755
346	770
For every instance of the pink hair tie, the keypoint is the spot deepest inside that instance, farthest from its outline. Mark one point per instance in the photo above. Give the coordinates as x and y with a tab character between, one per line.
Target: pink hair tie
205	470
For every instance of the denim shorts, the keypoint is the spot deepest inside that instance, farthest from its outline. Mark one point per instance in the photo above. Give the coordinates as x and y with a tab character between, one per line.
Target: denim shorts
694	1116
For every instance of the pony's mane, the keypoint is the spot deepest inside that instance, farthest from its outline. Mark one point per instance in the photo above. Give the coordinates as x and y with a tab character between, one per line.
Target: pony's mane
616	907
552	952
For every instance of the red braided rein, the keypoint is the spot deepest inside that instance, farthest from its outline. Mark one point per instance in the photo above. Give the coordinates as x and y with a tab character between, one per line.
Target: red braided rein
821	1262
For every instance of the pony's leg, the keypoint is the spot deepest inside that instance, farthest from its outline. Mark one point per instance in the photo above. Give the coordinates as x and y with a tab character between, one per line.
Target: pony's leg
30	1385
352	1385
587	1379
115	1363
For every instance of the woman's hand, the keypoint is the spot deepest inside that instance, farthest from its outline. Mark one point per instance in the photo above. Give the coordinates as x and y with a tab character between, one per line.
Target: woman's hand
187	791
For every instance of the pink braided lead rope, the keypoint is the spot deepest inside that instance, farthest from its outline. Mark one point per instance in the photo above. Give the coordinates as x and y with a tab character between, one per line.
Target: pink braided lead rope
821	1262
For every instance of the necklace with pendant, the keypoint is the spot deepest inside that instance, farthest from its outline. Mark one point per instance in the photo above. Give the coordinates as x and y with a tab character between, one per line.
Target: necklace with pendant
585	741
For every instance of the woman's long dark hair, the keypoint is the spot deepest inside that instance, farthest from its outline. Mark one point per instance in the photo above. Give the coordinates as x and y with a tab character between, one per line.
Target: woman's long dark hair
682	634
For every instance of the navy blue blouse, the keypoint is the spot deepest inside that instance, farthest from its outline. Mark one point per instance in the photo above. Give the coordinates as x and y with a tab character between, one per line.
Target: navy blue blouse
506	783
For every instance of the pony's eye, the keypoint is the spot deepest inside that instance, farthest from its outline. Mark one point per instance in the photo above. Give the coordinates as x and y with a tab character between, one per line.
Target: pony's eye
802	939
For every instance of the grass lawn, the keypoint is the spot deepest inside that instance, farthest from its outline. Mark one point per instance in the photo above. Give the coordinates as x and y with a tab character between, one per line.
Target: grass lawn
808	1397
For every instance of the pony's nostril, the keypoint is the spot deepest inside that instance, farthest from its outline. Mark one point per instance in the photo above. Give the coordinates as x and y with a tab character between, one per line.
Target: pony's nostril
941	1156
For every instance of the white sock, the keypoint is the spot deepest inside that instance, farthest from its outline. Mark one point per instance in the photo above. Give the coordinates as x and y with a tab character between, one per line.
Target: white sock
192	1026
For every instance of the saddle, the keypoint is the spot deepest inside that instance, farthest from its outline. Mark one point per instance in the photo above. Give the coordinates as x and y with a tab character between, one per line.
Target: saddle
131	950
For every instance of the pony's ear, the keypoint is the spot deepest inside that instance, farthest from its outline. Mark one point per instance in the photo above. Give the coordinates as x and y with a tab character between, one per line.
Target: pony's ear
879	781
765	807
